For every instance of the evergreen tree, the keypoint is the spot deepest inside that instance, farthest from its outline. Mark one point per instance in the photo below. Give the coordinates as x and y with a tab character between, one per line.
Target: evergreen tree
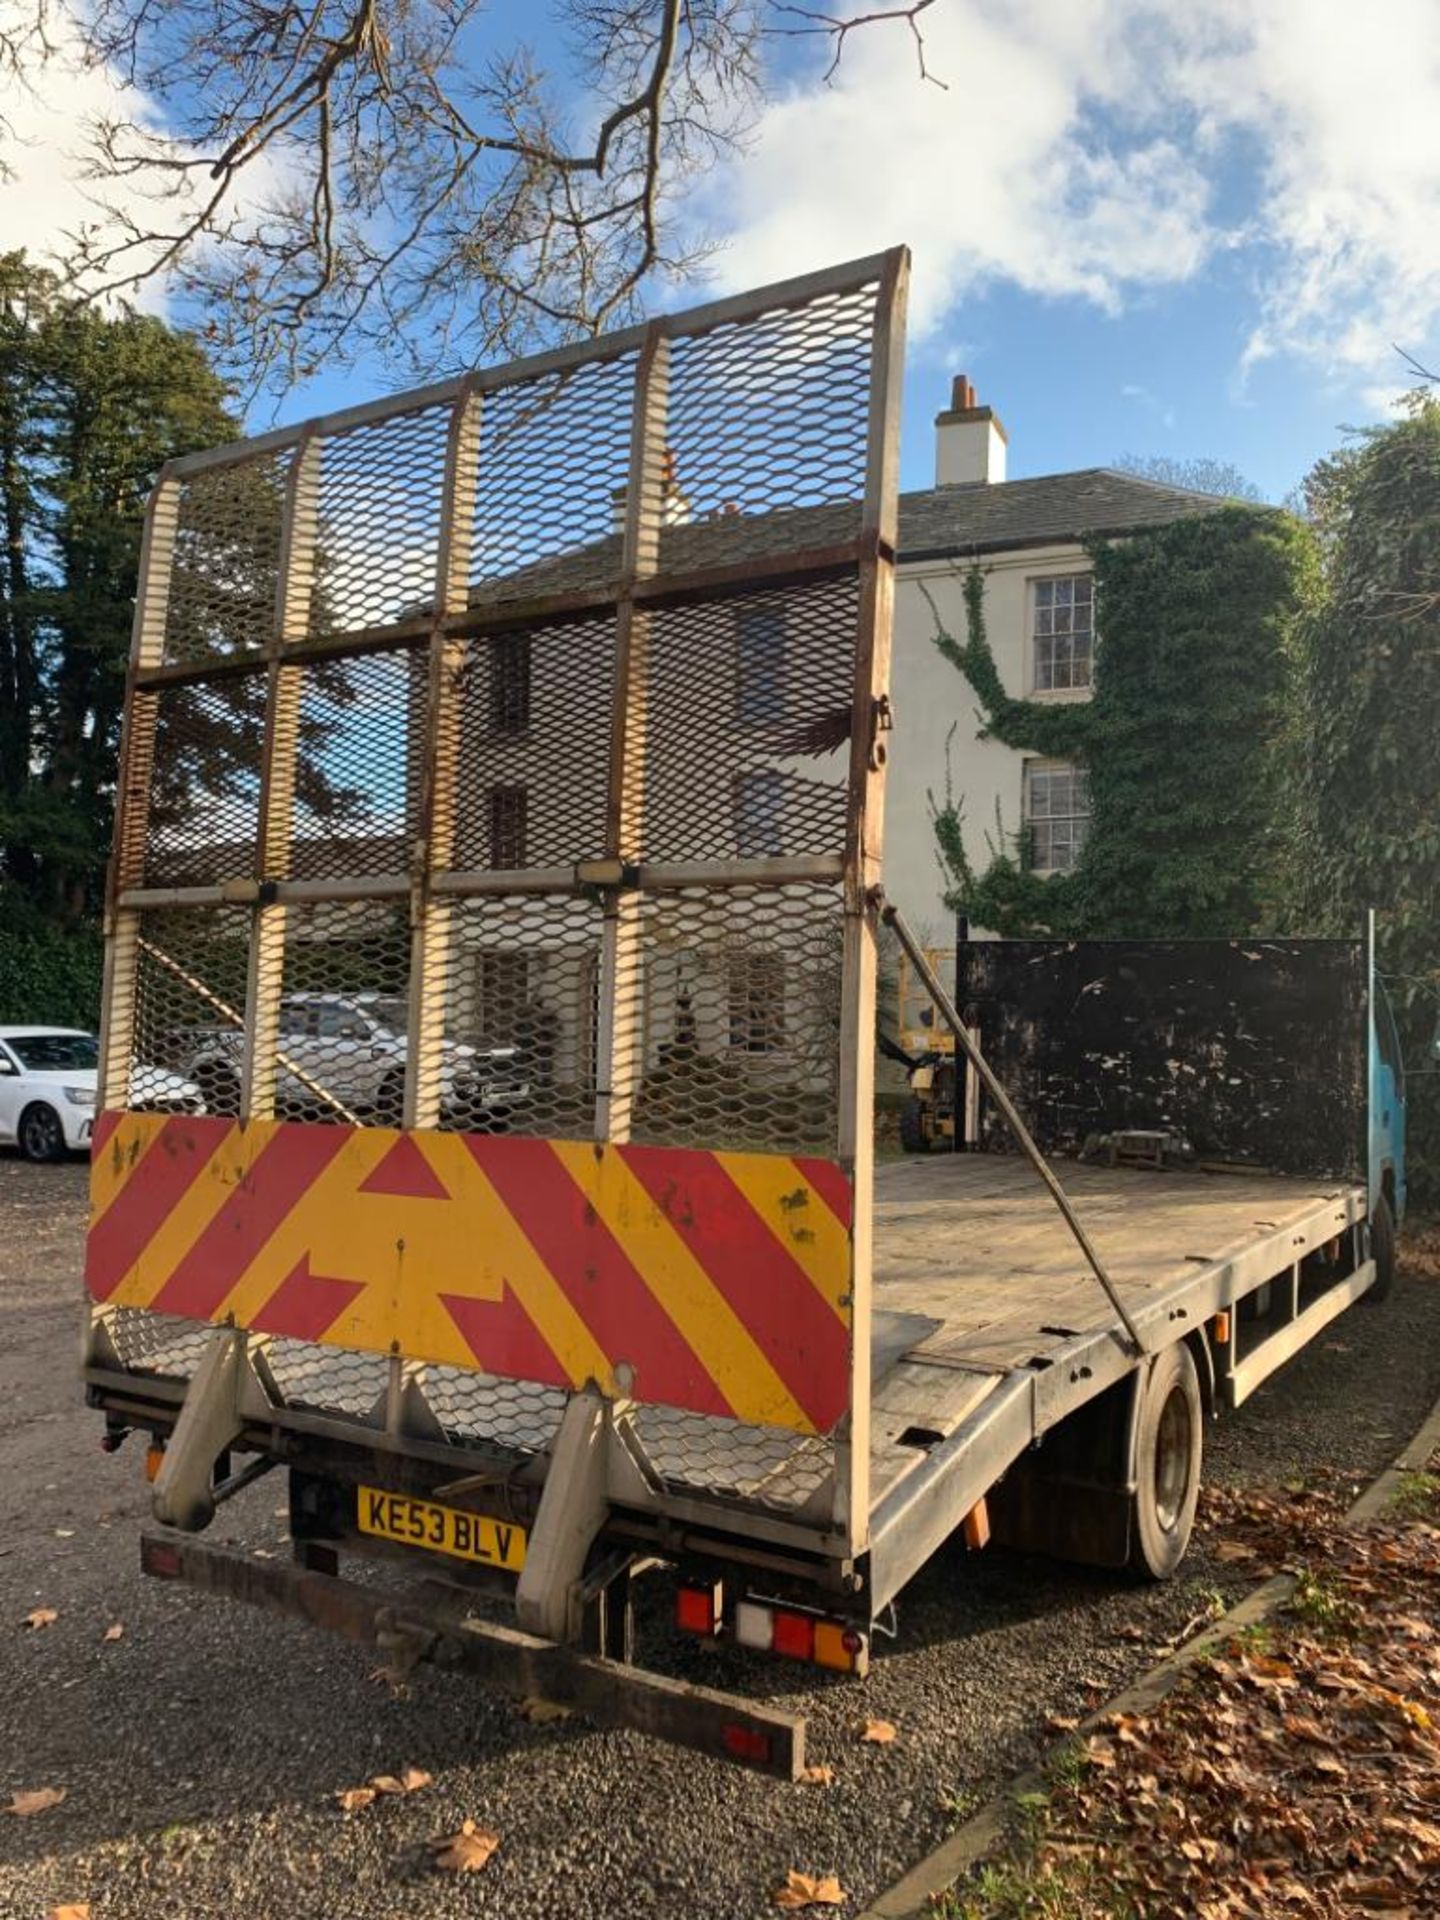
91	405
1364	779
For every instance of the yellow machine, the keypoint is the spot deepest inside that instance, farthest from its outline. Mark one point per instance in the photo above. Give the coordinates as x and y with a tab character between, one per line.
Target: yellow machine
927	1051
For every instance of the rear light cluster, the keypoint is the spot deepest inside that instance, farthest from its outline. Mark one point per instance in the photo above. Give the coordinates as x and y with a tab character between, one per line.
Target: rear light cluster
700	1609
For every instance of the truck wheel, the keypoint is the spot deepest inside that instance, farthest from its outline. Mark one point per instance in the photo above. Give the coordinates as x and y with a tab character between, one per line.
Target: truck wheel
40	1134
1382	1250
219	1088
1167	1464
913	1137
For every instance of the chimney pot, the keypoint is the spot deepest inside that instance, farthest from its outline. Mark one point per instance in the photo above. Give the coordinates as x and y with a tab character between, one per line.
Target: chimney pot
969	440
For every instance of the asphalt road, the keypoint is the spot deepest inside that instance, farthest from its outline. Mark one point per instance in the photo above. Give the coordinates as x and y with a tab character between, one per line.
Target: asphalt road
202	1749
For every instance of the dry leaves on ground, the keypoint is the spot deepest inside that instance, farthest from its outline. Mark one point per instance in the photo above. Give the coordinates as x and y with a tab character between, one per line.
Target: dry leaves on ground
466	1851
116	1632
1296	1771
76	1910
36	1800
878	1732
818	1776
351	1799
809	1890
41	1617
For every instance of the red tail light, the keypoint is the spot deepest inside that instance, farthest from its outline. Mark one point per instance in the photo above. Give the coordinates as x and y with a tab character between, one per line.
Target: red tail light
746	1743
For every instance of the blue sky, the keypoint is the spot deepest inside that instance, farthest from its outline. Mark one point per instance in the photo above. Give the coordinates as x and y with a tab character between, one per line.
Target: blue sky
1143	226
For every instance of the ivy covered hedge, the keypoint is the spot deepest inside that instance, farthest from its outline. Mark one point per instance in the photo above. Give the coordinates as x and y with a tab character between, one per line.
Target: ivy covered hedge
48	974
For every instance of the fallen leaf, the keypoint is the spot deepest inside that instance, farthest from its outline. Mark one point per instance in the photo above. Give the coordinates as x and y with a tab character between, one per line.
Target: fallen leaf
541	1712
465	1851
1061	1723
41	1617
410	1781
36	1800
64	1533
353	1798
1234	1551
818	1776
879	1732
809	1890
117	1632
77	1910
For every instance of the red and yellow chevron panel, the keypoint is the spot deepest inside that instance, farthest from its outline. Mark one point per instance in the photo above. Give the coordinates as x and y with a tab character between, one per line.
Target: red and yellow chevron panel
716	1282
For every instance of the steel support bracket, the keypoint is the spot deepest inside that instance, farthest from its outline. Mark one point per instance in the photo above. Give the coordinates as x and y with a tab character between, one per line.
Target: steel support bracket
573	1509
224	1386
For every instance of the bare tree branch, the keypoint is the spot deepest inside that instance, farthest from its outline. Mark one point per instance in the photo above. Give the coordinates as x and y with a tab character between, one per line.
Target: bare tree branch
337	176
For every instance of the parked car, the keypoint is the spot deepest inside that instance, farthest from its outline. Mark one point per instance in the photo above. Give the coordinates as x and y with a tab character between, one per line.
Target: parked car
351	1048
48	1079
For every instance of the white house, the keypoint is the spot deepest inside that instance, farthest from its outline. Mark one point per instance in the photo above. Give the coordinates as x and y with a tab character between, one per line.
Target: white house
1027	535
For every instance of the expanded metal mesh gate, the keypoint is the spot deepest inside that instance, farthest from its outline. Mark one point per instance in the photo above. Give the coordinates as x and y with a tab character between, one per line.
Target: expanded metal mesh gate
506	759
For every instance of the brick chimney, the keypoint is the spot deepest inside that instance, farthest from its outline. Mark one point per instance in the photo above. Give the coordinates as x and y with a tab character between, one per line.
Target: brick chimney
969	441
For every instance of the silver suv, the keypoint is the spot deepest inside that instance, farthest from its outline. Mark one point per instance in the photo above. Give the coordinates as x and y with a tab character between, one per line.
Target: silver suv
350	1049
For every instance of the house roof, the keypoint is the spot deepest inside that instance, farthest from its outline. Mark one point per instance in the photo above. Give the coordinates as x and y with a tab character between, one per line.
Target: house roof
975	518
982	517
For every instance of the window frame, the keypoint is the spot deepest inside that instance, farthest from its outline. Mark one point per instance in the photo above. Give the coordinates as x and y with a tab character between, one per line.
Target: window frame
1035	586
1046	768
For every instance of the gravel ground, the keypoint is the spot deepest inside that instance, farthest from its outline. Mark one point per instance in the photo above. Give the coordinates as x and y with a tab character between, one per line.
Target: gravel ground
200	1751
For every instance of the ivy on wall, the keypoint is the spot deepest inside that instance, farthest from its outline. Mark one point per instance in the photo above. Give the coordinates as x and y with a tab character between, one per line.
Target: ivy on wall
1180	741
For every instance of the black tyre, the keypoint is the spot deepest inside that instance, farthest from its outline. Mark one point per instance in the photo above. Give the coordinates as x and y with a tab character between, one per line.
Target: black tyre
913	1136
219	1087
1167	1464
1382	1250
390	1101
41	1133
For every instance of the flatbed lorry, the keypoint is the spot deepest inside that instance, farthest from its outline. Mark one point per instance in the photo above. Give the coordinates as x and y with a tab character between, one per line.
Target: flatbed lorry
554	697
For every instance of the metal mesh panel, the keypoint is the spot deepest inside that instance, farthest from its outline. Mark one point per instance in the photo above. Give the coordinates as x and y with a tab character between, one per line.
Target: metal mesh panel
535	717
695	1454
207	741
160	1343
521	1016
343	1013
358	772
190	999
478	1406
222	584
745	751
769	415
500	738
554	462
377	532
735	1011
328	1379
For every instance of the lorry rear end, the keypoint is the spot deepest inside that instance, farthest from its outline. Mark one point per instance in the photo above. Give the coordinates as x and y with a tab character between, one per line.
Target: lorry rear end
548	704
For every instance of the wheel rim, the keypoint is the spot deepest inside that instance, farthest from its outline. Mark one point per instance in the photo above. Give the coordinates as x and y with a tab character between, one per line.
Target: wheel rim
42	1132
1174	1452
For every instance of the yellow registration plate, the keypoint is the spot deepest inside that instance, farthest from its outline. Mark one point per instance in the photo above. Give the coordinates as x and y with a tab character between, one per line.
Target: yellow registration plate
421	1523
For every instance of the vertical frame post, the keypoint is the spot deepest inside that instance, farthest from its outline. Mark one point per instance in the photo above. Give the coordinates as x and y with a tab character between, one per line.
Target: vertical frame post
431	915
279	752
620	1061
120	988
863	840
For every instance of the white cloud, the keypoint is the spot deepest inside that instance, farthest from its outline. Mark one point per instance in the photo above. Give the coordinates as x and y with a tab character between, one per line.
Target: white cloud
44	121
1098	148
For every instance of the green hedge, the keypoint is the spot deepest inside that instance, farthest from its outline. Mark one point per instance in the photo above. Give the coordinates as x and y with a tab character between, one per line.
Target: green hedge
49	975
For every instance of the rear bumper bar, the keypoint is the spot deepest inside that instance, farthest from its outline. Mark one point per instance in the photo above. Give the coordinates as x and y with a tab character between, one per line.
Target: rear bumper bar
606	1691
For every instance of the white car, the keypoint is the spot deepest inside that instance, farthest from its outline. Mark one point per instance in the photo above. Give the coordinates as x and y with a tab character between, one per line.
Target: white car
47	1090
